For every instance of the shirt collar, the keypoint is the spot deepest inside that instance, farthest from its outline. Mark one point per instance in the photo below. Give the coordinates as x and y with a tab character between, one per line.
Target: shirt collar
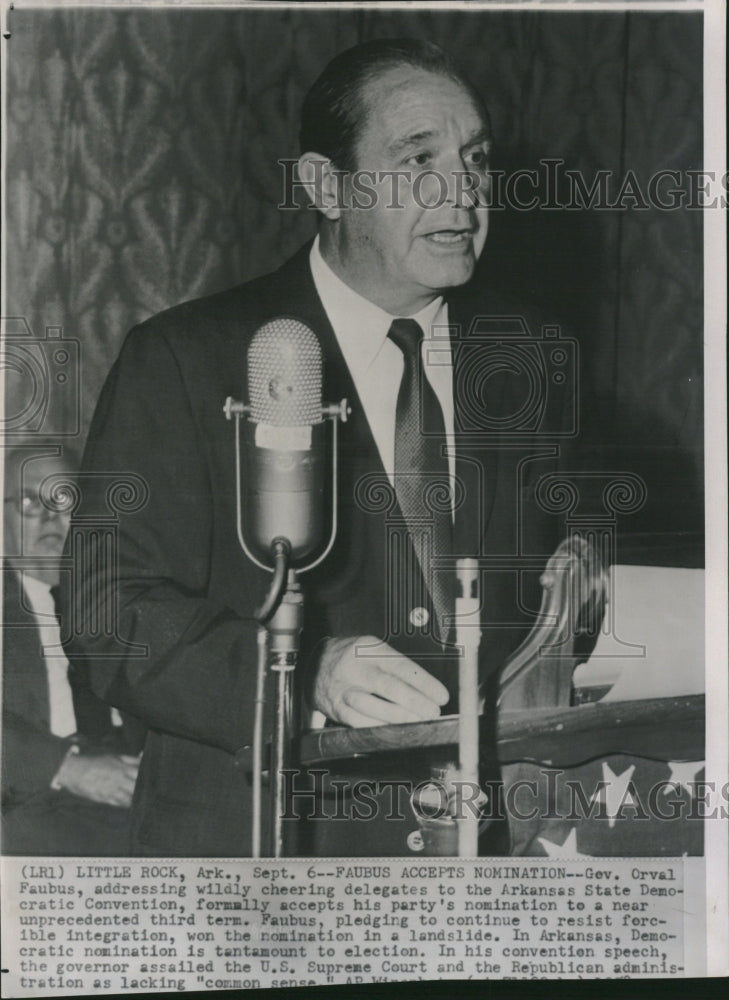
38	592
361	327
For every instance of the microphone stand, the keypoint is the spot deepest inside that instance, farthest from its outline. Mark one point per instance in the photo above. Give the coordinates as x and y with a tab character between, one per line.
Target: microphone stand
284	628
282	616
468	637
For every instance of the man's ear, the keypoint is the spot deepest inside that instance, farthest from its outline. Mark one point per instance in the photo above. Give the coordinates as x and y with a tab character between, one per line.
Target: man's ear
323	184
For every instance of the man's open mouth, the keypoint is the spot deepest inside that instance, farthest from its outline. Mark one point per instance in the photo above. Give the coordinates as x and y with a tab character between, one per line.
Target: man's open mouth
451	237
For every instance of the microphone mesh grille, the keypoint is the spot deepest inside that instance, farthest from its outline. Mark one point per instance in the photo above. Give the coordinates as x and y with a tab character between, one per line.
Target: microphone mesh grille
285	374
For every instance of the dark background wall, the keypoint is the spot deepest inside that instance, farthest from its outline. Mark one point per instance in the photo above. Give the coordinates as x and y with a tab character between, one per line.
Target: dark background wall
142	152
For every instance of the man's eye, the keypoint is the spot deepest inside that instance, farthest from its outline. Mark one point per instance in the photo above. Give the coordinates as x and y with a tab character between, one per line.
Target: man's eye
478	158
418	159
29	505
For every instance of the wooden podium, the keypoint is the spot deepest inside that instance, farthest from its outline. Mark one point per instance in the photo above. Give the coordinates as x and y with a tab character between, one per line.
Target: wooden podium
603	779
552	749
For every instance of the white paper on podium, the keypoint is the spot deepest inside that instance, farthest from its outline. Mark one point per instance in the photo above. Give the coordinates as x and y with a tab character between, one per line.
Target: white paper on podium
652	643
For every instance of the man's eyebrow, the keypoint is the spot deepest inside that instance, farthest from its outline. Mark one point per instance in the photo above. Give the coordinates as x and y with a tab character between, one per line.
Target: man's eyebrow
483	135
414	139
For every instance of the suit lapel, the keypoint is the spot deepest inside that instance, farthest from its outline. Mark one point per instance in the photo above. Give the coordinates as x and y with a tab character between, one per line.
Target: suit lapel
359	454
477	449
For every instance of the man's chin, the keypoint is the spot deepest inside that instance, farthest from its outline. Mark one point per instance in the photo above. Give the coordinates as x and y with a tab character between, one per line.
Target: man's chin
51	546
456	272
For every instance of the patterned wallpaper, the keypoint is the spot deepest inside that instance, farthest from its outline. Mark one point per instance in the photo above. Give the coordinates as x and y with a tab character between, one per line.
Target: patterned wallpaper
142	152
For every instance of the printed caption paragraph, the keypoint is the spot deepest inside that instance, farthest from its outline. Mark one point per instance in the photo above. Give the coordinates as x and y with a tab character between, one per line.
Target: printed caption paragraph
81	926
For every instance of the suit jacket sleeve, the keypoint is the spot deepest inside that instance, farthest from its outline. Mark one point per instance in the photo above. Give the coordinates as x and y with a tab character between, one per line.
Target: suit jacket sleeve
191	671
31	757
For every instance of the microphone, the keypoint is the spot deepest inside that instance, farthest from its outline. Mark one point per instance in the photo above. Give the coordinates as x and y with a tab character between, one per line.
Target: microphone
285	449
284	440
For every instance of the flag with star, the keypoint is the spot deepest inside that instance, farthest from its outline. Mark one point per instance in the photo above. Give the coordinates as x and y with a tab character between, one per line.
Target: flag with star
610	781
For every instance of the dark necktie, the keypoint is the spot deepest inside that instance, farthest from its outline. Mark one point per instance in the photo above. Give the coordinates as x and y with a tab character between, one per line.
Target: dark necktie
422	483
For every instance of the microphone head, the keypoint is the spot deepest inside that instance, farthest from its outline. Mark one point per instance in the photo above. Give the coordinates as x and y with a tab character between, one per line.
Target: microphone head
285	374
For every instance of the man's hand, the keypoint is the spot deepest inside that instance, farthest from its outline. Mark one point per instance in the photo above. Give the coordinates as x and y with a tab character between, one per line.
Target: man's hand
105	778
365	682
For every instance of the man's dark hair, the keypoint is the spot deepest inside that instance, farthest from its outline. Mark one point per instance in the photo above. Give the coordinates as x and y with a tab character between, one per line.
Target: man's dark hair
334	112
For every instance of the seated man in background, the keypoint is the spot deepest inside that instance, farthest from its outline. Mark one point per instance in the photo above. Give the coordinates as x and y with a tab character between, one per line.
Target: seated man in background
68	773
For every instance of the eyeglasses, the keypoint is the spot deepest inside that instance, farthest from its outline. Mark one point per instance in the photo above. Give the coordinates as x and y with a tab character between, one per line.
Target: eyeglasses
31	505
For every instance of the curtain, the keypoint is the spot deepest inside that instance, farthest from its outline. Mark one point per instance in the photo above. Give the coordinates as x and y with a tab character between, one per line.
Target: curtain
142	170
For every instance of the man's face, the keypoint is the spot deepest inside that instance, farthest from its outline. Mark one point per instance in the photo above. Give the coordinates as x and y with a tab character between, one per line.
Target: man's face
427	127
32	530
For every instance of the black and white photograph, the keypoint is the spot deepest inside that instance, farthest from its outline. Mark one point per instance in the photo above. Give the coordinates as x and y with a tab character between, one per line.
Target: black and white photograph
364	533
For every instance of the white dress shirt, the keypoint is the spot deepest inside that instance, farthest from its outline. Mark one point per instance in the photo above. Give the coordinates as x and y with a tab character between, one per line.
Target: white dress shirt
62	716
376	363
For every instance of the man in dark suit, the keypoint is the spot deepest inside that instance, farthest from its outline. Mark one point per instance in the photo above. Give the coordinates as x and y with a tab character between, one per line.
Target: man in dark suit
375	645
67	773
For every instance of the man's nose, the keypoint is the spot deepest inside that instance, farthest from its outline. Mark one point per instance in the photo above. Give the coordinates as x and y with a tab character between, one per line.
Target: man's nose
460	185
466	186
50	512
455	188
